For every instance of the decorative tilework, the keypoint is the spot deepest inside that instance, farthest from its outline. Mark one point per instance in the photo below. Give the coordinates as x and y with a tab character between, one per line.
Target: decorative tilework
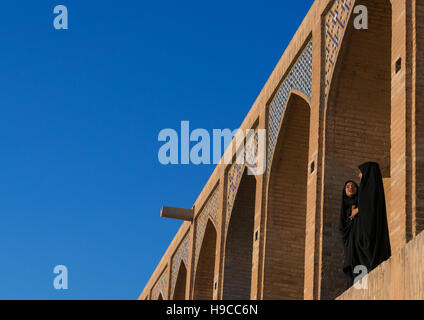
160	286
252	150
335	24
299	78
234	177
180	255
209	210
235	174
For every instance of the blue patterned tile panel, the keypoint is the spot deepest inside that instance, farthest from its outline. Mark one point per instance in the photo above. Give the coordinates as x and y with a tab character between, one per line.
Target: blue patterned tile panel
298	78
336	21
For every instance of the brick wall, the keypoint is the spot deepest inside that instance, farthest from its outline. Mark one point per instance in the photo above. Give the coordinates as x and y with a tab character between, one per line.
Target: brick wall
285	237
239	243
357	127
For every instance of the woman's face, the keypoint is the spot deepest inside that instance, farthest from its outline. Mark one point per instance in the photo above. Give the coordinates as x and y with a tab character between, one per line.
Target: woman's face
350	189
360	175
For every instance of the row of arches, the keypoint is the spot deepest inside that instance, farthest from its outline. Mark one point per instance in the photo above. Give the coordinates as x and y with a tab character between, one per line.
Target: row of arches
238	252
286	223
357	128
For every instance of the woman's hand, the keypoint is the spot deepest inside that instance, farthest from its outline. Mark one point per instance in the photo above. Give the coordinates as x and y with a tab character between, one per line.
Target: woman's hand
355	211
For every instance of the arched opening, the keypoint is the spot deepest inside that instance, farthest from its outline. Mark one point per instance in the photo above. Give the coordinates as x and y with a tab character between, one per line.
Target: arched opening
357	127
203	285
286	213
180	285
239	242
160	297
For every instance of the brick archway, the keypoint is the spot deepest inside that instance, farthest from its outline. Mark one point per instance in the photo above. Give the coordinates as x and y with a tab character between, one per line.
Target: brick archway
239	242
181	283
357	127
286	207
205	271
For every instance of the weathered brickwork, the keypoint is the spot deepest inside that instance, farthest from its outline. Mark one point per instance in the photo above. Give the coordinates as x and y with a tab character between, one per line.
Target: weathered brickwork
338	97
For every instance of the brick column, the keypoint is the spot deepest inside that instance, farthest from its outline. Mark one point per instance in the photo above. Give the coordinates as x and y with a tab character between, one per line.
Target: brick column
220	238
313	209
401	214
418	113
190	261
168	285
258	234
190	274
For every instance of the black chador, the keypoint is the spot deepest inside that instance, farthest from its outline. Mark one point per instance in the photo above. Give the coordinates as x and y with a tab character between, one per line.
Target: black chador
346	226
372	239
366	236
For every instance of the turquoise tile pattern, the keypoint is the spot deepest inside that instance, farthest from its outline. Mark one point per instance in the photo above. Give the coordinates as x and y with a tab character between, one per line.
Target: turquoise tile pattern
298	78
336	21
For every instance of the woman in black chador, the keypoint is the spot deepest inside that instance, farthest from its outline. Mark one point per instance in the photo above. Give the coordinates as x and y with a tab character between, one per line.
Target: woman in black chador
373	242
347	213
368	238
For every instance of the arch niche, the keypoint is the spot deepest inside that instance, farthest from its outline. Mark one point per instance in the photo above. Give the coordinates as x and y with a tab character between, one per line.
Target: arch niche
239	242
205	271
357	127
286	207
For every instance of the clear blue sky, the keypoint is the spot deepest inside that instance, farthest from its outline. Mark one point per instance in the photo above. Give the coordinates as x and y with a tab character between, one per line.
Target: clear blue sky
80	112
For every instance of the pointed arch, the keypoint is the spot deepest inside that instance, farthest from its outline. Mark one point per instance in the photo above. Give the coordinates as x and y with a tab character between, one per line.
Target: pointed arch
181	283
286	205
205	271
239	242
357	127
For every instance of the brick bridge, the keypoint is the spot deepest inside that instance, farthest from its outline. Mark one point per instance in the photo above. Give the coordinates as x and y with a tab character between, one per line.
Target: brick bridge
338	97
